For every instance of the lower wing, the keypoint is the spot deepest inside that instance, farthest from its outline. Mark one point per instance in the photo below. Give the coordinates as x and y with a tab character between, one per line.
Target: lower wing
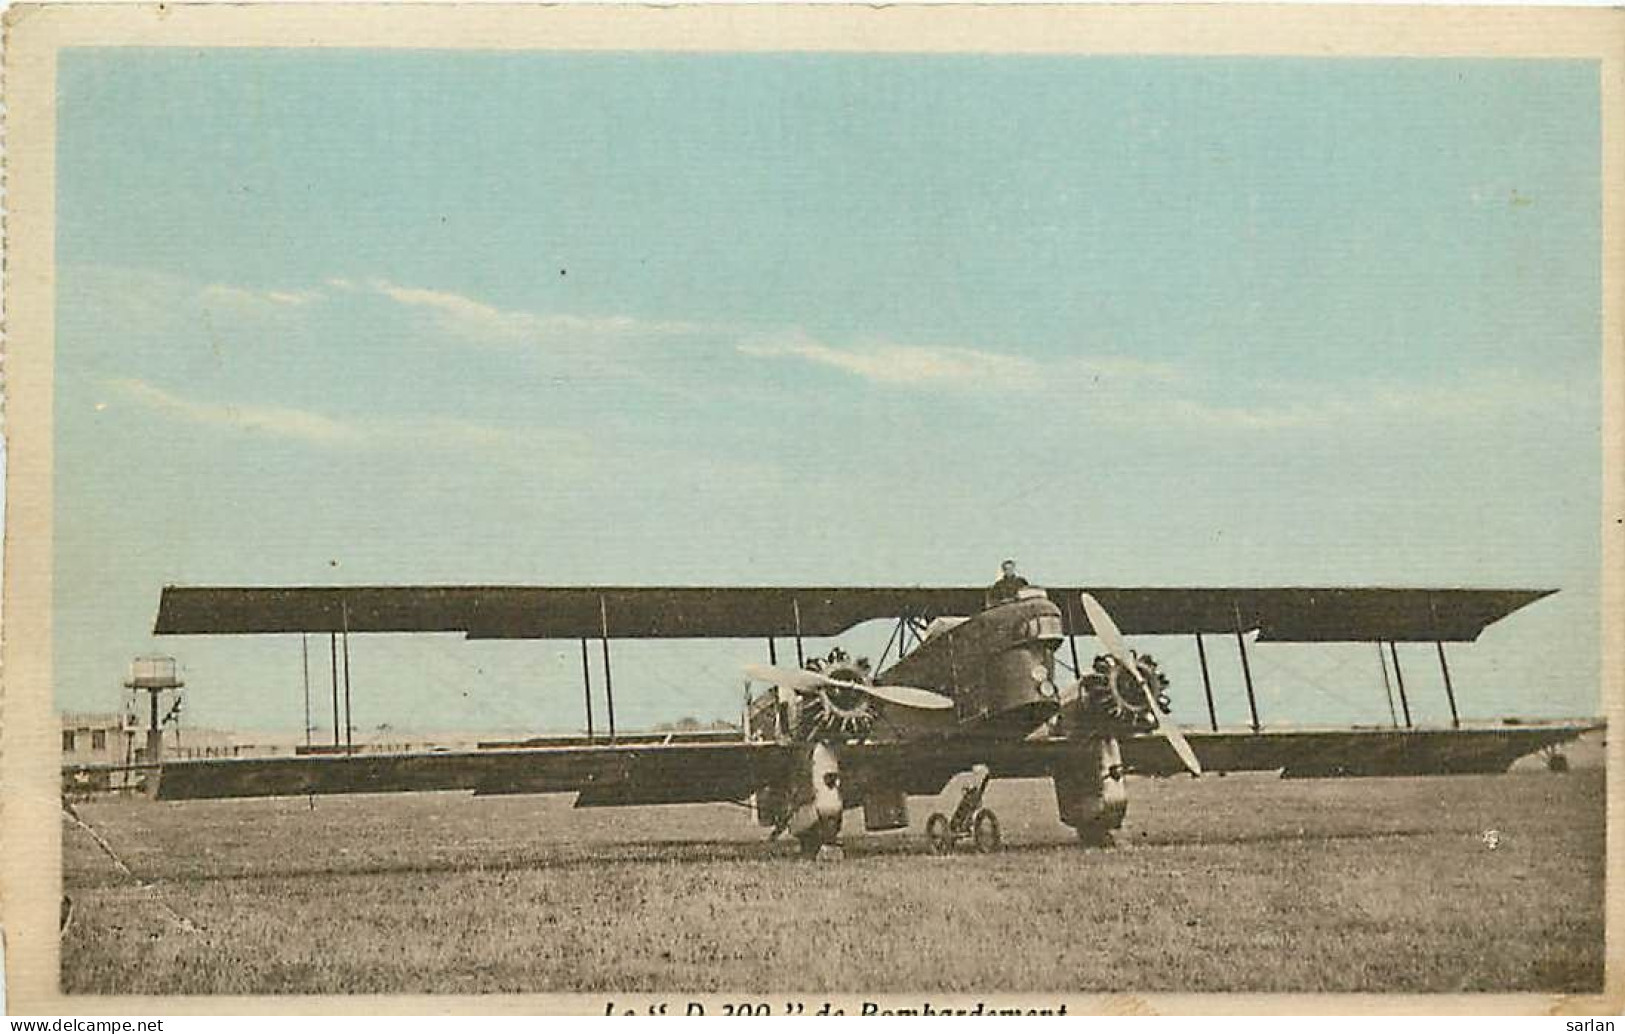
678	773
645	774
1313	753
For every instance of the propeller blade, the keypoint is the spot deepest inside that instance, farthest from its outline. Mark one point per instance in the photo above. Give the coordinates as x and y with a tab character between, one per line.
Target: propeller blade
903	696
1106	631
1170	731
811	682
790	678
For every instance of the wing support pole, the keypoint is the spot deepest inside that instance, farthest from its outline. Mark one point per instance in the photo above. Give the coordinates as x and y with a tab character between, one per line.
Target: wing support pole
304	656
586	685
333	655
1246	667
1072	642
772	651
609	680
1207	684
349	723
801	660
1444	665
1449	690
895	637
1387	686
1399	678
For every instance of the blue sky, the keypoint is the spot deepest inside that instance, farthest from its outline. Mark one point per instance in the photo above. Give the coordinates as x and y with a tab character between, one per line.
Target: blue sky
348	316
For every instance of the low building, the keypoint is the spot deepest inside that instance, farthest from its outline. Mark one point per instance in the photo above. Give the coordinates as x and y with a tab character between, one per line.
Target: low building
99	738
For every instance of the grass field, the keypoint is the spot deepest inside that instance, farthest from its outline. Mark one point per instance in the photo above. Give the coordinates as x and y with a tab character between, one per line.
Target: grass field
1239	883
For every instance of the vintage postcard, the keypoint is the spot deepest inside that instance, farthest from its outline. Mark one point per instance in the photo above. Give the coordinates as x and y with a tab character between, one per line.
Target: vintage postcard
811	509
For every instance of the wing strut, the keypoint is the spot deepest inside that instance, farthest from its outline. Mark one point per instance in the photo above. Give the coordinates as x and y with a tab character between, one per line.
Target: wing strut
1387	686
609	681
1072	642
304	655
349	723
333	655
586	685
1444	665
1207	684
1246	668
1399	677
801	660
1449	690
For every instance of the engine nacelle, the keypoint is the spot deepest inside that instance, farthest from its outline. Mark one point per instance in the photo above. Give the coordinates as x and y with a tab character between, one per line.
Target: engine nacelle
884	807
1089	790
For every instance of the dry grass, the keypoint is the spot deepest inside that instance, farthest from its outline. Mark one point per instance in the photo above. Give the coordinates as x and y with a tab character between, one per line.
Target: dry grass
1240	883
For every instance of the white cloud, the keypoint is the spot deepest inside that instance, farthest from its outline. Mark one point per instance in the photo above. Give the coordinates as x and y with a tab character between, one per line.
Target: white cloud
278	421
1253	405
457	313
938	366
315	428
243	297
909	365
476	319
1280	405
1171	393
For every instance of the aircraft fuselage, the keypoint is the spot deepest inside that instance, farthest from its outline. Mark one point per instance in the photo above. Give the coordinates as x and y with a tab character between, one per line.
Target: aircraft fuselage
998	666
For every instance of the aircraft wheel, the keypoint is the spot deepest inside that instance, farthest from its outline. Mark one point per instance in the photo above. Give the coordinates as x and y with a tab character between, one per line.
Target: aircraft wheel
985	831
938	834
810	844
1557	763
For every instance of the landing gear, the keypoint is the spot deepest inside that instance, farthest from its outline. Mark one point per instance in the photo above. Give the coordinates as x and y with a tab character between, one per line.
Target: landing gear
981	829
985	831
970	820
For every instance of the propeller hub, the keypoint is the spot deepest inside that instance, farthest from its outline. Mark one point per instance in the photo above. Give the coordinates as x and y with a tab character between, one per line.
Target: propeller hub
1113	694
837	712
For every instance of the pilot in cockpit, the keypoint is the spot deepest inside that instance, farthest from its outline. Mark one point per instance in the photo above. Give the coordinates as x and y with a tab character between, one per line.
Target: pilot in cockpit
1008	587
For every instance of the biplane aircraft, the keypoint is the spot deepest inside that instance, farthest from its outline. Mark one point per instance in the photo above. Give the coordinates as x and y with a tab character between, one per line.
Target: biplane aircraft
973	688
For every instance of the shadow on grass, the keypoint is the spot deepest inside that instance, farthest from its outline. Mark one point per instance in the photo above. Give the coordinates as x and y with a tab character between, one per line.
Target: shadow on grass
689	852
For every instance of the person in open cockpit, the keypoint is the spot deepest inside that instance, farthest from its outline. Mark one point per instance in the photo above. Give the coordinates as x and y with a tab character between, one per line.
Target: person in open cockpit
1008	587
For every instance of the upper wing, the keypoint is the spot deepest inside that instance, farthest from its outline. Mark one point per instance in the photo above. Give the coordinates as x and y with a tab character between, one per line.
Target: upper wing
551	612
643	774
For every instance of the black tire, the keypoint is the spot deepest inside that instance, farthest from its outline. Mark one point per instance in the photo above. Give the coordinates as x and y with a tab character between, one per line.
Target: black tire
937	833
985	831
1557	763
810	844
